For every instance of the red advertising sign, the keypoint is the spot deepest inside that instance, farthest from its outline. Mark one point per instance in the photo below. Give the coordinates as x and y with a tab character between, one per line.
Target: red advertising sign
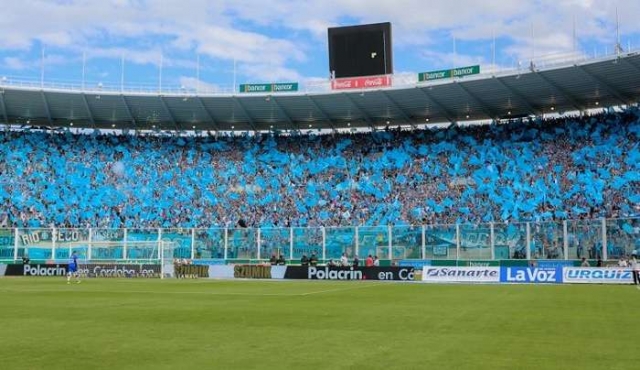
360	82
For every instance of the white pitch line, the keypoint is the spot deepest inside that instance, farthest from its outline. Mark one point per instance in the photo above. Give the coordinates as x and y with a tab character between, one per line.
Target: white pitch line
71	290
339	289
145	292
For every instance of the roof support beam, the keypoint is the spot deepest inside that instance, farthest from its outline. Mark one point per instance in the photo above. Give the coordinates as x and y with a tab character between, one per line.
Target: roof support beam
46	107
362	112
172	119
324	114
635	67
207	113
520	98
565	94
627	62
128	109
5	115
293	125
622	99
490	114
245	112
447	114
86	106
396	106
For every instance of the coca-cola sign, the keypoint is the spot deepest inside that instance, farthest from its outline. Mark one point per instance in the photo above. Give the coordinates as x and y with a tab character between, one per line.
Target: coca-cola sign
360	82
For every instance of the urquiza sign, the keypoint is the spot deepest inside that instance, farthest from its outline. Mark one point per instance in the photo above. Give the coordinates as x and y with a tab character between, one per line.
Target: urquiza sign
350	273
588	275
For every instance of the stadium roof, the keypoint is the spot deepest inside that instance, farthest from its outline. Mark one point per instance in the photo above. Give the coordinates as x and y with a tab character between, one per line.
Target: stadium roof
589	84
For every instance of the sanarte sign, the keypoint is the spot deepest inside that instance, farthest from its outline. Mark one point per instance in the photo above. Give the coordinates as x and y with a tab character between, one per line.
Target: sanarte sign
449	73
461	274
269	88
360	82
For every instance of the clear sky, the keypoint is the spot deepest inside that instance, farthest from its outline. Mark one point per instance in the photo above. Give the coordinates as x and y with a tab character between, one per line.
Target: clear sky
286	40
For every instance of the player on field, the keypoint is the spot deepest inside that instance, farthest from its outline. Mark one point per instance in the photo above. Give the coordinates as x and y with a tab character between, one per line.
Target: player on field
72	270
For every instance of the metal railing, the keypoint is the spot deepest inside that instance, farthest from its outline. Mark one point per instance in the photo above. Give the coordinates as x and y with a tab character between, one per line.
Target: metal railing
562	240
400	80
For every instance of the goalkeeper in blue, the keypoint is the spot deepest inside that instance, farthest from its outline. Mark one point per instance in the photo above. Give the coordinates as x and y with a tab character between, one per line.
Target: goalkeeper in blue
72	269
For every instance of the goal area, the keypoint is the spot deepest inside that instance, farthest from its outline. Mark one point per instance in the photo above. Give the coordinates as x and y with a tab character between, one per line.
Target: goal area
133	259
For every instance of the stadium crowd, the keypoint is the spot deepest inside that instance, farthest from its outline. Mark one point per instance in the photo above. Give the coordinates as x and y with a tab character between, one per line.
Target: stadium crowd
559	168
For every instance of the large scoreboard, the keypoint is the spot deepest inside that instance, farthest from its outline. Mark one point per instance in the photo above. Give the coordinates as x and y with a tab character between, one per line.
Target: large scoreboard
357	51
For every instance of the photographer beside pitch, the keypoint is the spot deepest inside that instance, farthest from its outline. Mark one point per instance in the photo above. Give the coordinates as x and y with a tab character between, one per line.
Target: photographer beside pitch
635	270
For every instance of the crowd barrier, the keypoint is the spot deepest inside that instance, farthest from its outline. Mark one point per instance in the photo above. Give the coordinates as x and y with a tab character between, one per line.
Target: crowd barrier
429	274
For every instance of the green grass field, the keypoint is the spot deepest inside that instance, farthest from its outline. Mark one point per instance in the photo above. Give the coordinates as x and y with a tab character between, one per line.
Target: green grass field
204	324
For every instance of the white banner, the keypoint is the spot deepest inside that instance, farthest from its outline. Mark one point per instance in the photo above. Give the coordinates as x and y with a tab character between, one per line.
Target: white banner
461	274
246	272
590	275
3	269
277	272
221	271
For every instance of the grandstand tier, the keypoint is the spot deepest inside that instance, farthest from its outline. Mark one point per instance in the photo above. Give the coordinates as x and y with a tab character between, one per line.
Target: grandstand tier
529	169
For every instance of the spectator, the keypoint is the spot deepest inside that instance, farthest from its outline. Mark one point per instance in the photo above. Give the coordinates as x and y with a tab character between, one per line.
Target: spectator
344	261
313	261
585	263
356	261
622	262
369	261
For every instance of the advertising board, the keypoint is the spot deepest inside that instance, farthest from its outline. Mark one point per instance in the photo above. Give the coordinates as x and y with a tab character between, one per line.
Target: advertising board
590	275
536	275
461	274
350	273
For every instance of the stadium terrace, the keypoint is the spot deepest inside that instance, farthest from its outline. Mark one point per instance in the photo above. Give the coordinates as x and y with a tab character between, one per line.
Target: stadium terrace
527	170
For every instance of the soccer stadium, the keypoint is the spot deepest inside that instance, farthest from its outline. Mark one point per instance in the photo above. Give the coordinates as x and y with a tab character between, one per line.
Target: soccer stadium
473	206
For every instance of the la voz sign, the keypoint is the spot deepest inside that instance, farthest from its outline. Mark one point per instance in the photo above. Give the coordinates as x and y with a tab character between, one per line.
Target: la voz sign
531	275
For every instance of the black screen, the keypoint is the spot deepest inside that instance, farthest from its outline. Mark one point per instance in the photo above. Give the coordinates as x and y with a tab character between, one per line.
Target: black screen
356	51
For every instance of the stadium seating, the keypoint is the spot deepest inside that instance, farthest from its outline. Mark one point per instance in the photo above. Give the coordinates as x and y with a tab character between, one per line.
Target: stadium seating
536	170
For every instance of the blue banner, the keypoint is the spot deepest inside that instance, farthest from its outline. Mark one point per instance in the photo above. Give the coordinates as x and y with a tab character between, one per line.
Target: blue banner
418	264
554	263
209	261
539	275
